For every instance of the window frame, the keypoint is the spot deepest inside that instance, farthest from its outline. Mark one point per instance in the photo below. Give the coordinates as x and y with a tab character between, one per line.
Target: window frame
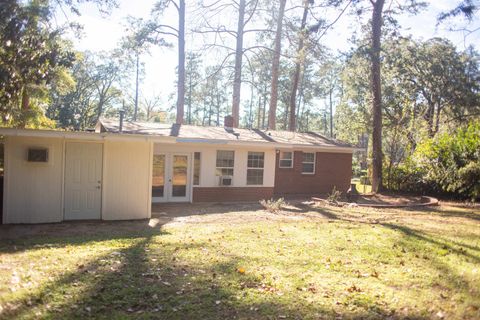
304	162
221	168
280	159
262	168
199	168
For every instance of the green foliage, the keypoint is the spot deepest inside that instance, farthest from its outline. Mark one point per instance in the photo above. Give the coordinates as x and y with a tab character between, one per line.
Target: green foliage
449	163
30	55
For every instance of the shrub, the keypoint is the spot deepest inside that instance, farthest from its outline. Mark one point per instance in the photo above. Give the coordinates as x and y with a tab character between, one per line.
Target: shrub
334	196
272	205
449	163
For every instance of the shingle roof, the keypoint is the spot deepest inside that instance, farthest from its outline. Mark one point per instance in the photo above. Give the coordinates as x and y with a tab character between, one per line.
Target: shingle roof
220	133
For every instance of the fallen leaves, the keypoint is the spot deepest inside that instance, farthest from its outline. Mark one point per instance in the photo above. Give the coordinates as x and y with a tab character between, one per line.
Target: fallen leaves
353	288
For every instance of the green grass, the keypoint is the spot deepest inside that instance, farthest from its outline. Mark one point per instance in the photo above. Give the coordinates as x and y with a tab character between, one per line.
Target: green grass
306	263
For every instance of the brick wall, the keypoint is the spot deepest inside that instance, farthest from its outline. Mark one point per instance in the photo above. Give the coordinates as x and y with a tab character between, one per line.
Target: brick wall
231	194
331	169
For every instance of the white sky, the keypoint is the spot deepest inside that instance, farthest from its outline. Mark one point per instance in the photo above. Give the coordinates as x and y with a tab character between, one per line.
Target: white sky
103	33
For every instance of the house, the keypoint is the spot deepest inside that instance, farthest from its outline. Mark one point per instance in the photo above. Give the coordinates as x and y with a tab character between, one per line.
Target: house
119	170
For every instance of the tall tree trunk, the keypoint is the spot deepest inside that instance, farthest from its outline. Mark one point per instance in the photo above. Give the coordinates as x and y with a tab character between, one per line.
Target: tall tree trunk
376	89
189	110
237	79
264	111
298	64
181	62
218	110
25	107
272	111
136	90
259	110
437	119
331	112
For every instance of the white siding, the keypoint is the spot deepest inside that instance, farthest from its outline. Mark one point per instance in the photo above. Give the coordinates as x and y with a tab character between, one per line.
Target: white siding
126	182
209	157
33	191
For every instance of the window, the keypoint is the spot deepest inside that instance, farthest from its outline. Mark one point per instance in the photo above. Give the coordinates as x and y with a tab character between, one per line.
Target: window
158	179
225	163
255	165
308	163
196	168
37	155
286	159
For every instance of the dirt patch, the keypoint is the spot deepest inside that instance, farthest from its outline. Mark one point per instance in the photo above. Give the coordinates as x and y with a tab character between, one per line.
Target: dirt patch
238	213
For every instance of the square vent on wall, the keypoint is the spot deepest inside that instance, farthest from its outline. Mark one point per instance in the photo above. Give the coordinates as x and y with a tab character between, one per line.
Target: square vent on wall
37	155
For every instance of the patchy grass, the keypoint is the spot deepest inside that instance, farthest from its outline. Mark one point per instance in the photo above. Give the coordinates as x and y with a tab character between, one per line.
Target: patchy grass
306	262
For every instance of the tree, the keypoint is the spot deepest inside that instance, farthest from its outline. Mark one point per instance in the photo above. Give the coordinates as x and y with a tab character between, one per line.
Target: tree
376	88
193	78
155	32
95	91
214	23
30	56
150	106
136	44
272	112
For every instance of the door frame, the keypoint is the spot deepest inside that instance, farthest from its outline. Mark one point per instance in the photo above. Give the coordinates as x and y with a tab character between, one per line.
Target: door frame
102	168
167	197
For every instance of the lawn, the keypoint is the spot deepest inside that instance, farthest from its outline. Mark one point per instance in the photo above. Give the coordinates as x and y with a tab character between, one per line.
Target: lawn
240	262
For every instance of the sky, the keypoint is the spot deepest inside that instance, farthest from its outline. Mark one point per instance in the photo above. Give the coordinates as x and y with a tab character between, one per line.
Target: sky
102	33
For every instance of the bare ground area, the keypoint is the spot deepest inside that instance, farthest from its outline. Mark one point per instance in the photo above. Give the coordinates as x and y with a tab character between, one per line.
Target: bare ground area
233	213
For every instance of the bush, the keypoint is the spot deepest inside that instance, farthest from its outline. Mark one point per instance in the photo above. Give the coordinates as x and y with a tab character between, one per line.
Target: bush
449	163
334	196
272	205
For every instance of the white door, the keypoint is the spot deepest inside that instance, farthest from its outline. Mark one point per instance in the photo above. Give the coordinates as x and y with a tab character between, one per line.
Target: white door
171	177
83	181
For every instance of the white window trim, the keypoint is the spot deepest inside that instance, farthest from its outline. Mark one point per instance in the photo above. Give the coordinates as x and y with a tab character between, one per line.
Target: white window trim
233	168
280	160
314	162
256	168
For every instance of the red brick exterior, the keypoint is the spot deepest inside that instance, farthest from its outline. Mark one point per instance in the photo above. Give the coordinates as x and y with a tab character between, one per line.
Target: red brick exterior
231	194
331	169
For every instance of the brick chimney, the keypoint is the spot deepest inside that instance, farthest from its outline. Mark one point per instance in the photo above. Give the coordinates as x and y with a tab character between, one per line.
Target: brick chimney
228	122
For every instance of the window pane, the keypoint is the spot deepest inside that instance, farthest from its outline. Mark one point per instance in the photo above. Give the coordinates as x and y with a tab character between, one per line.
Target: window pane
307	167
286	155
255	176
196	168
308	157
179	185
224	172
225	163
225	158
158	179
255	159
286	163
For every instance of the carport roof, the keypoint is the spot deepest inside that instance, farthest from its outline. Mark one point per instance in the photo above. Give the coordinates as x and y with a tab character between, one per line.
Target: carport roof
189	133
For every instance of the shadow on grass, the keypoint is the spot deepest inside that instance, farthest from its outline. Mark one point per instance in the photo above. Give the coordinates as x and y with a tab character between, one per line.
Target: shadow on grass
440	243
148	280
